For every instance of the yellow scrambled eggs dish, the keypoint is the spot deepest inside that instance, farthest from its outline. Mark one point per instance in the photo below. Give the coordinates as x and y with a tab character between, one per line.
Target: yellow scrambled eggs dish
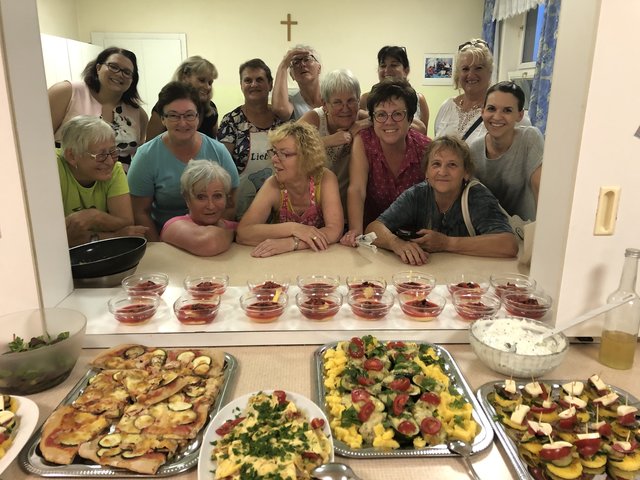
393	394
270	439
8	422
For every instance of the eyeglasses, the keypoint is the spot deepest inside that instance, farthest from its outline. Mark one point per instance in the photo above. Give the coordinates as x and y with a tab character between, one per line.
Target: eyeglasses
474	43
115	68
174	117
272	152
296	62
339	104
381	116
102	157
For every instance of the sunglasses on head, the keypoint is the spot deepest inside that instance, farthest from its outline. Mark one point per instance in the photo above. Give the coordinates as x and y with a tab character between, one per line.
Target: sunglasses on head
474	43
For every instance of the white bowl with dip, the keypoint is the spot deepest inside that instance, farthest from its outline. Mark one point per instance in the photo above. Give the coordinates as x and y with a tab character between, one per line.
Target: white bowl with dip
512	346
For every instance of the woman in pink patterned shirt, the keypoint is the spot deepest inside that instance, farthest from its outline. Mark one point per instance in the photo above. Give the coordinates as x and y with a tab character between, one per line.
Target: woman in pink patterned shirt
386	158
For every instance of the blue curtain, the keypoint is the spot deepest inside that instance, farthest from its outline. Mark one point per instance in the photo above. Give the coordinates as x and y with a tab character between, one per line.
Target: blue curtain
488	24
539	104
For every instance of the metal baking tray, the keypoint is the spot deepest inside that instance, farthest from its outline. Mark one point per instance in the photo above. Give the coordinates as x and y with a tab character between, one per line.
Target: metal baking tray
510	446
31	460
482	441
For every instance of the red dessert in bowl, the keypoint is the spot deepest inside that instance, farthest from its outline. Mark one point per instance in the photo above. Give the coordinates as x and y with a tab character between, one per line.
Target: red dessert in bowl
356	282
369	303
318	283
420	305
504	283
268	283
195	309
533	305
146	283
409	280
134	309
319	305
468	282
472	305
264	306
205	286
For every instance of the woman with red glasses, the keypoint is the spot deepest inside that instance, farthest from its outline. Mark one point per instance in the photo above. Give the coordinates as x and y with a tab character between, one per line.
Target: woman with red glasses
300	202
109	90
303	64
95	194
386	158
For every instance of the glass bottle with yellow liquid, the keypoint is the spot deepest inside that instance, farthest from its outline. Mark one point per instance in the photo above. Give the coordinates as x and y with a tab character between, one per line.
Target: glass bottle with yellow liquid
620	331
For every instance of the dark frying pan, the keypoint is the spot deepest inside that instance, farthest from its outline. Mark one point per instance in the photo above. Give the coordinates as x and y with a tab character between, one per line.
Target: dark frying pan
106	257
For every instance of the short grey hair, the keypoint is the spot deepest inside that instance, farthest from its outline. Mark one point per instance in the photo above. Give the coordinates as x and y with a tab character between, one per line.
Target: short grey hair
81	131
206	171
338	81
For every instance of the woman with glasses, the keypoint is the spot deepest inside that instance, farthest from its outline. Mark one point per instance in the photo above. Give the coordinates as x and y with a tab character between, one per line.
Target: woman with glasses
428	217
386	158
154	177
203	231
109	90
95	194
461	115
300	202
337	122
303	64
393	62
509	158
200	73
244	131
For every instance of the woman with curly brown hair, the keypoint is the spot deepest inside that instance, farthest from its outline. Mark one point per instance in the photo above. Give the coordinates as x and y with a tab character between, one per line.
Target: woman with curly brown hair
301	201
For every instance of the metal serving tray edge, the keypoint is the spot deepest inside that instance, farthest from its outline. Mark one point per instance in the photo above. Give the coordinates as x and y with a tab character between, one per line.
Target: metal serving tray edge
482	441
31	461
509	446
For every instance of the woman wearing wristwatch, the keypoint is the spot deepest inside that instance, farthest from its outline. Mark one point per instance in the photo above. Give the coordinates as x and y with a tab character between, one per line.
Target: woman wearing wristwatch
301	201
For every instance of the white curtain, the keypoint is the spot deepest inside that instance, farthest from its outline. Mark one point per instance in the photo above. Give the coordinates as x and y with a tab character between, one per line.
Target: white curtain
508	8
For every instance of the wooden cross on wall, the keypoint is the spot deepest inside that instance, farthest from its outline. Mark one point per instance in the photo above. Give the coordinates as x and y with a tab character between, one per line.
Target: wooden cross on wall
288	22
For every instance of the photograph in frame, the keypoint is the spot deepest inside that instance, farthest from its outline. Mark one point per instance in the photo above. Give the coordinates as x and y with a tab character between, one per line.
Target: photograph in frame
438	69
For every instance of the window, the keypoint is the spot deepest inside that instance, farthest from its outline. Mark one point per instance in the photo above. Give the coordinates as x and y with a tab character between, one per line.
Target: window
532	30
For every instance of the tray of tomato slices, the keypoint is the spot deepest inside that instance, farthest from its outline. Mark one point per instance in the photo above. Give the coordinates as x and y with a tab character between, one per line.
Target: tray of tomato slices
396	399
565	429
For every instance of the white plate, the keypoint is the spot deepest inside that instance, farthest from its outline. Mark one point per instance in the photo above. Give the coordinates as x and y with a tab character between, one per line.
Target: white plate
206	466
28	415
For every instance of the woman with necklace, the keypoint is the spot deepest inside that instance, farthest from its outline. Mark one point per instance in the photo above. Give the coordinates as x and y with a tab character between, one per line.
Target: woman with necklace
95	194
303	64
431	212
154	177
244	131
508	159
301	200
461	115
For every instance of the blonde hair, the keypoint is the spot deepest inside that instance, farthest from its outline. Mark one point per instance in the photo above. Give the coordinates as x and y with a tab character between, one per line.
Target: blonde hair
310	149
480	54
195	65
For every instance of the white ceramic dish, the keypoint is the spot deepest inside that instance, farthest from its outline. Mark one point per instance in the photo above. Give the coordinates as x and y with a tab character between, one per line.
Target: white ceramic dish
206	466
28	417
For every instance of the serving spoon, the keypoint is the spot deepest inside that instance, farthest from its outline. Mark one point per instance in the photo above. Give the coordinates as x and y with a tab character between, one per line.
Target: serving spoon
464	450
334	471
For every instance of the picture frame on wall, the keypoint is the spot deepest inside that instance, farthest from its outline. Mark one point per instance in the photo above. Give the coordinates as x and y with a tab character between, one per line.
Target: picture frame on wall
438	69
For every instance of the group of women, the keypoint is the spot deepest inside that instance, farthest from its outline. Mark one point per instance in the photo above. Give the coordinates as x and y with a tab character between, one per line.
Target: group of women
308	170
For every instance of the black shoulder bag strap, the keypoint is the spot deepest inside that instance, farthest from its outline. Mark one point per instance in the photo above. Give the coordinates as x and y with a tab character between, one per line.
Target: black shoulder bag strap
472	128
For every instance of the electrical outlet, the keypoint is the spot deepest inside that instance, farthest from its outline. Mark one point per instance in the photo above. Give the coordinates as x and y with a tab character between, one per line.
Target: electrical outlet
607	211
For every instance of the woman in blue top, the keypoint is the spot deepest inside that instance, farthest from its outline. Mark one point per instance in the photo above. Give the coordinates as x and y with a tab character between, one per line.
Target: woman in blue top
432	211
154	176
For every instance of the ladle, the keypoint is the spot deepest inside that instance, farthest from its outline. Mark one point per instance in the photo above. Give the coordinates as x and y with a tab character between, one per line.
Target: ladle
576	321
464	450
334	471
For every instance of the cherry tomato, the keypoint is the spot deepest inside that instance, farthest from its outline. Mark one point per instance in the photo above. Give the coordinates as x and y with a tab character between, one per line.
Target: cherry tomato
313	456
365	411
550	454
365	381
356	348
374	364
399	402
588	450
430	398
537	409
317	423
227	426
407	428
400	384
430	426
280	396
605	430
567	423
359	395
628	419
395	345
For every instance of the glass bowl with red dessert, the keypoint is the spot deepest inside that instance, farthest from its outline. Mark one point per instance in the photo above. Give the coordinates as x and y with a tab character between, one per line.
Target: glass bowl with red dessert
196	309
411	280
146	283
503	283
468	281
533	305
264	306
369	303
357	281
319	305
472	305
420	305
134	309
206	285
318	283
269	282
